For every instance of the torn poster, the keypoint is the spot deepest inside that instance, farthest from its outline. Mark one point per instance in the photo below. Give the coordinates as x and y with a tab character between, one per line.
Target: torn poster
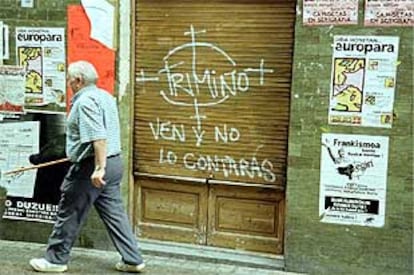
83	47
101	17
12	87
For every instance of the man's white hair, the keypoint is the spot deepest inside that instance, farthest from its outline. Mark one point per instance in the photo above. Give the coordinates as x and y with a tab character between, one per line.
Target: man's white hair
84	70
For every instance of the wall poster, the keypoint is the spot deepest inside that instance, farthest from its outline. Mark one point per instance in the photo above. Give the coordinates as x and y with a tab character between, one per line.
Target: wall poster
353	178
42	52
19	140
12	83
363	80
330	12
389	13
33	195
83	47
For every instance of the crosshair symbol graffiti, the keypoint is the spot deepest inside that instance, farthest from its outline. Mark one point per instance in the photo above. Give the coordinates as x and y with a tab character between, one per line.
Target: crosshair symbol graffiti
220	87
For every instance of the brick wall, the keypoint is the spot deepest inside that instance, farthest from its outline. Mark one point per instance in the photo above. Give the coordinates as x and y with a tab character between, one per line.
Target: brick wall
322	248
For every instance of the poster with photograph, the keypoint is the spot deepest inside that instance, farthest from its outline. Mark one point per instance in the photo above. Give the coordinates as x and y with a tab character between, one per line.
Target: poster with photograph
389	13
12	83
353	178
41	51
363	80
330	12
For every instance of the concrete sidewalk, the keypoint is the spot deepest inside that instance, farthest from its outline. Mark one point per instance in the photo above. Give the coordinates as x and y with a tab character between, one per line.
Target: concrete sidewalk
15	256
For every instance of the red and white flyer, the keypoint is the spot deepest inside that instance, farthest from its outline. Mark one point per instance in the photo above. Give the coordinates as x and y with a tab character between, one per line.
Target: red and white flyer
330	12
389	13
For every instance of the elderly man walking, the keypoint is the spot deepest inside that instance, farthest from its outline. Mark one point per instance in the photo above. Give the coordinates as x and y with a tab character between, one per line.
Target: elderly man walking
93	146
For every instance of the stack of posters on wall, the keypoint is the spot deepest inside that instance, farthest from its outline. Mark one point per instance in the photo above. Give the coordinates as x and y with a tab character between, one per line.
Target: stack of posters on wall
363	81
34	89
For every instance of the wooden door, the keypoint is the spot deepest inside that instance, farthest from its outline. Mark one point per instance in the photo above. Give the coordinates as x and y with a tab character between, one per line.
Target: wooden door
211	120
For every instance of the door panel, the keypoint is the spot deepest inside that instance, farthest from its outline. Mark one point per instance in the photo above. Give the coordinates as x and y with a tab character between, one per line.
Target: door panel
171	210
211	117
246	218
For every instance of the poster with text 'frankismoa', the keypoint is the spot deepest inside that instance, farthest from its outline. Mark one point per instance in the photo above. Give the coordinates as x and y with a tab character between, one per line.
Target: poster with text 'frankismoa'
363	80
353	179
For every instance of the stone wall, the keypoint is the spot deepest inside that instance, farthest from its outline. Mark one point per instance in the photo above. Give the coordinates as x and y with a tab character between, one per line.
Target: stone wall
323	248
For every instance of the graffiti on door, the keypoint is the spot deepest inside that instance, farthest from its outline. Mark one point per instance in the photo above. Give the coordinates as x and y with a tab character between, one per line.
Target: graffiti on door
200	88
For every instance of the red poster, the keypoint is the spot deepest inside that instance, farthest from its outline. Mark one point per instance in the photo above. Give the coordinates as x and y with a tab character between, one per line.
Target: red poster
82	47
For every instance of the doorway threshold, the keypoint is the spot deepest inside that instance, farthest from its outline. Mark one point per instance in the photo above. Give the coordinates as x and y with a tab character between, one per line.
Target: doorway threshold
212	254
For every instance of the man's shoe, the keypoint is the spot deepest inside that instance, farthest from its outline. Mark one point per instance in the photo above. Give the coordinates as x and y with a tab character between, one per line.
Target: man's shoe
121	266
44	265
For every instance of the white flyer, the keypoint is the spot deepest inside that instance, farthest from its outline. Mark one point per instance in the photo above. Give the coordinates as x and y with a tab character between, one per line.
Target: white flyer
389	13
353	178
18	140
330	12
12	81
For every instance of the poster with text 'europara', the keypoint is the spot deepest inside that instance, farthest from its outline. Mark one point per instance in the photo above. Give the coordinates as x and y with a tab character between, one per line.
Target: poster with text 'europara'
41	51
363	80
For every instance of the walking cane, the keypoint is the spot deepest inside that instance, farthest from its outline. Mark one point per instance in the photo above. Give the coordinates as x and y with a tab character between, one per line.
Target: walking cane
31	167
